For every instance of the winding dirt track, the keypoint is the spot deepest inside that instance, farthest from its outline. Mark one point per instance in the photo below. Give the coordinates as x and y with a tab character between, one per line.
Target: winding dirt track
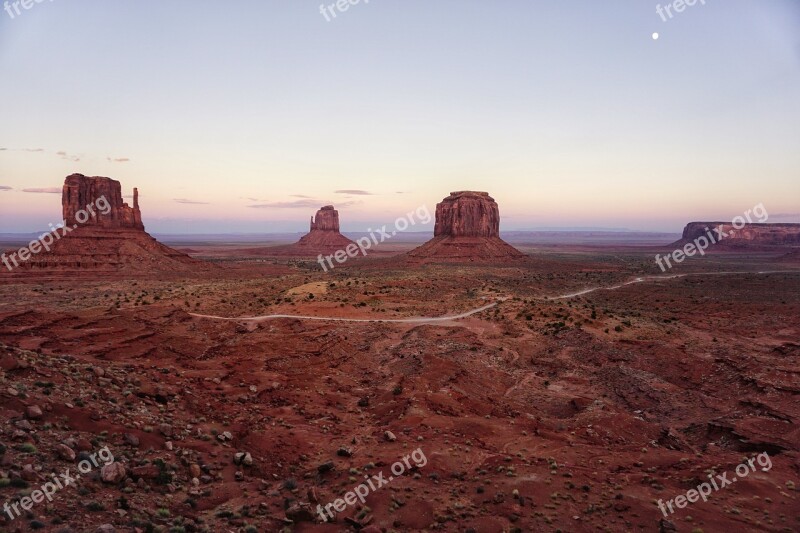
419	320
446	318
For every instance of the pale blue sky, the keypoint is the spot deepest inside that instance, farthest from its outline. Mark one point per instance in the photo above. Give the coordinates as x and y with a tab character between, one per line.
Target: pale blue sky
567	111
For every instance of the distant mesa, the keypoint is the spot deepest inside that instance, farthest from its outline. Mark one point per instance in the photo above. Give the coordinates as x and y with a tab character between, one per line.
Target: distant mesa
323	237
749	235
323	234
113	240
467	230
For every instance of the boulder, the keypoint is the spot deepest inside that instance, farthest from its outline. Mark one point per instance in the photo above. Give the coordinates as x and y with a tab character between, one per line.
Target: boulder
113	473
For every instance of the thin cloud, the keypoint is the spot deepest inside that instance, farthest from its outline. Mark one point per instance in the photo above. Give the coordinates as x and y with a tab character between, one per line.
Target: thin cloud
192	202
299	196
65	155
304	204
118	159
5	188
47	190
786	215
33	149
357	192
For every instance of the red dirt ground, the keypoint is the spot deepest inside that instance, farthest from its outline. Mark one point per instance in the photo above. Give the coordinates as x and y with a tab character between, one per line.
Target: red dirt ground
540	414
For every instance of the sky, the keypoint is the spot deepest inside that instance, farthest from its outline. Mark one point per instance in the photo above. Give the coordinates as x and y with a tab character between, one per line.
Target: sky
246	116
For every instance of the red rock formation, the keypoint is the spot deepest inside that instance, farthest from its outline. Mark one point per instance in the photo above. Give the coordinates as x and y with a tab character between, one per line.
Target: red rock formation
749	235
104	195
467	214
111	241
324	236
467	229
327	219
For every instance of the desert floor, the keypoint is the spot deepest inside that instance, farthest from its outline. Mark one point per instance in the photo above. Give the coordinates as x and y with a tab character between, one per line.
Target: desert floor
593	387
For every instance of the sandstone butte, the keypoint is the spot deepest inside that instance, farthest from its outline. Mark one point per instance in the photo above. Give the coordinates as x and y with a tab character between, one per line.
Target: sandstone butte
467	230
112	241
323	237
751	235
323	234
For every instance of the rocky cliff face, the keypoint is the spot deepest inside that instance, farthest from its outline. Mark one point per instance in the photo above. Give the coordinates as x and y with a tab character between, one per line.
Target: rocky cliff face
81	191
467	214
467	230
327	219
750	234
111	242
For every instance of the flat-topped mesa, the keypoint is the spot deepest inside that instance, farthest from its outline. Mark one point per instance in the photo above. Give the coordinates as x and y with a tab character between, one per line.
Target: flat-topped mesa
104	196
467	230
327	219
467	214
744	235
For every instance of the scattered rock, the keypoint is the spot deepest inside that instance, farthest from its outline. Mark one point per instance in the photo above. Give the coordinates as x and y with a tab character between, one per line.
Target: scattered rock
8	362
34	412
65	452
300	512
83	445
242	458
28	474
344	452
112	473
23	425
150	471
